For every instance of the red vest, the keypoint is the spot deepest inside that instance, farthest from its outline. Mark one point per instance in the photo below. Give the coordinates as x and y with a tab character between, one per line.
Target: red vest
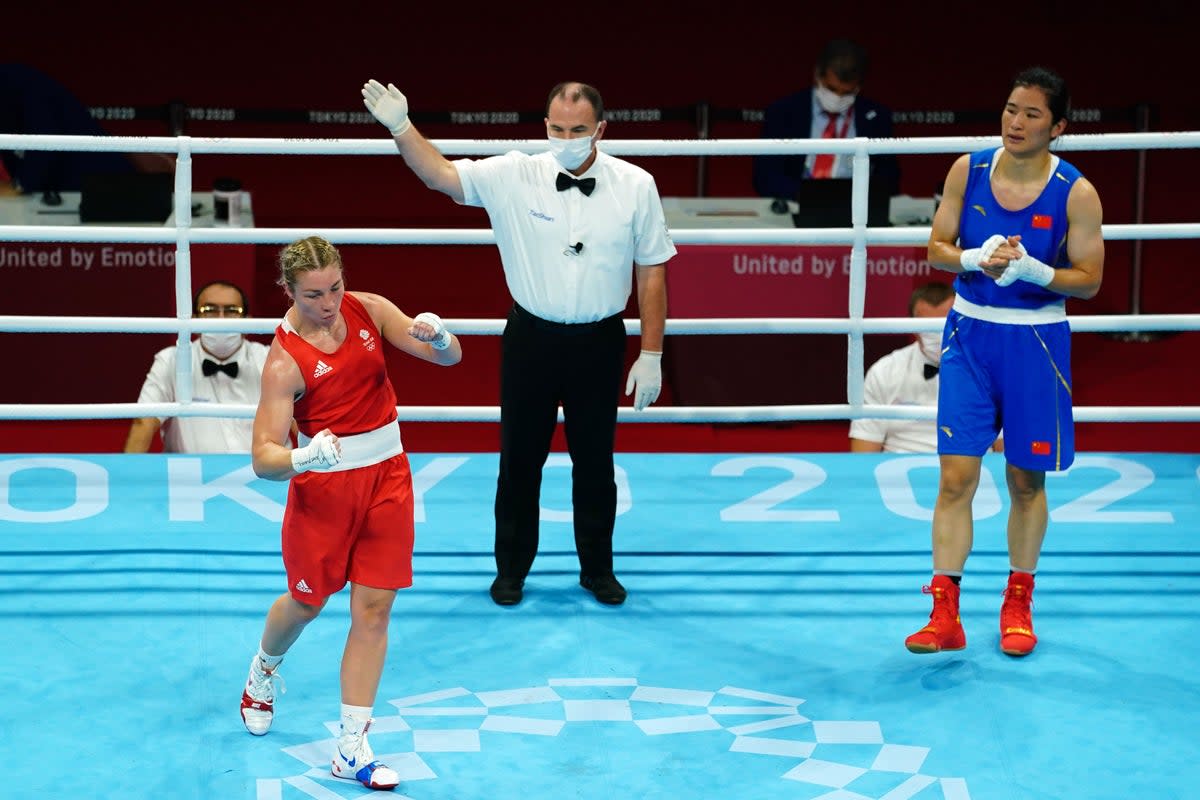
347	391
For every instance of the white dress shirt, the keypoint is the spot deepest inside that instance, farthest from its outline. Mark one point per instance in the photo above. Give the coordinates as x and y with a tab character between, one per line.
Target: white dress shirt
207	434
898	379
537	227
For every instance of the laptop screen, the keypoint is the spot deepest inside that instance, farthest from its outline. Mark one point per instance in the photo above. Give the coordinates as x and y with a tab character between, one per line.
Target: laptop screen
825	203
128	197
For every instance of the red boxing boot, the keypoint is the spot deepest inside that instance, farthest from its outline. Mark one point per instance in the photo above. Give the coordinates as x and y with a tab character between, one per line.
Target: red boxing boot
944	631
1016	616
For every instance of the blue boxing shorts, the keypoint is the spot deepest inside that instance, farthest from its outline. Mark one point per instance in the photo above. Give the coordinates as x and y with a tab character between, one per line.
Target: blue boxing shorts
1013	377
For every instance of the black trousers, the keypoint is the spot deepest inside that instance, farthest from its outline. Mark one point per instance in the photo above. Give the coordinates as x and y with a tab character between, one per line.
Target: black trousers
544	364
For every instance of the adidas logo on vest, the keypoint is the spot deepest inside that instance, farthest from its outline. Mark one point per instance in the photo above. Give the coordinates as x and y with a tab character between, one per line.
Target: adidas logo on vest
321	369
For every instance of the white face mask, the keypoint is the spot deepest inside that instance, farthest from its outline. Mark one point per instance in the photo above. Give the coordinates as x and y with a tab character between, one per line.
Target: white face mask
571	153
931	346
221	345
831	102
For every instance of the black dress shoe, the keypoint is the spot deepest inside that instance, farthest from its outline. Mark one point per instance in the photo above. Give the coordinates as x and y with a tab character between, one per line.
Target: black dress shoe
606	588
507	591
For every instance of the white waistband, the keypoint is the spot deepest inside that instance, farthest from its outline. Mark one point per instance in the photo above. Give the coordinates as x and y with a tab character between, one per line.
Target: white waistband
1054	312
365	449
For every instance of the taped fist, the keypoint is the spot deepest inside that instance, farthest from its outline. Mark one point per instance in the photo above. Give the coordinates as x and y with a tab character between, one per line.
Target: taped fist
323	451
973	260
1026	268
428	327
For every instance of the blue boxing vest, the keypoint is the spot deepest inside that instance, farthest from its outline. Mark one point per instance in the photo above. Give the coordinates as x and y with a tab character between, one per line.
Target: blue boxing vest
1042	226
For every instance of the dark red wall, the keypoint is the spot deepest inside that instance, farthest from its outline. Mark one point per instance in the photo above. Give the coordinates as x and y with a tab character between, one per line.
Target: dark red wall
304	55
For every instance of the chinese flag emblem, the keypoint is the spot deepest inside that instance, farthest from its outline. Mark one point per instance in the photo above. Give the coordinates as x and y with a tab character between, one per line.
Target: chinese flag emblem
1040	448
1043	221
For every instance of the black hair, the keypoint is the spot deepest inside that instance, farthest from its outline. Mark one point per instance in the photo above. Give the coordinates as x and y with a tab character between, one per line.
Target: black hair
847	59
1058	98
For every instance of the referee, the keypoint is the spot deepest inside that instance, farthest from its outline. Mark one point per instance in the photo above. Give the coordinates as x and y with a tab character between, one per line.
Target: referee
569	223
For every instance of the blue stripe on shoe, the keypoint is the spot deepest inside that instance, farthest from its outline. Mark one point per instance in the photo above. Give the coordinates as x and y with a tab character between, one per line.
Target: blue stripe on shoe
364	774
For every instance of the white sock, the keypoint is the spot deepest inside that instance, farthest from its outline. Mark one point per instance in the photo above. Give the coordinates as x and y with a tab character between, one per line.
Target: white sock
268	662
1013	568
948	573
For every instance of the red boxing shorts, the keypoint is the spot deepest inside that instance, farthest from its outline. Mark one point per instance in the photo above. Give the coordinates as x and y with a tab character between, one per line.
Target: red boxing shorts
355	525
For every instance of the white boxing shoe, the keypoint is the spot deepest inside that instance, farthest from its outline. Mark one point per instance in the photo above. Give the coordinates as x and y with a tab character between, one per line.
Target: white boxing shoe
258	698
355	761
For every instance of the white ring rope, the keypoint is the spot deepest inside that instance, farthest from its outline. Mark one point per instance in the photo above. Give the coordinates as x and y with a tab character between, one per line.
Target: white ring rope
729	414
837	236
617	147
182	235
633	327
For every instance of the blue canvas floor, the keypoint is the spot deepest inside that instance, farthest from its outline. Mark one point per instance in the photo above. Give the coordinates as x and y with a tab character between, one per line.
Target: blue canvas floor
760	654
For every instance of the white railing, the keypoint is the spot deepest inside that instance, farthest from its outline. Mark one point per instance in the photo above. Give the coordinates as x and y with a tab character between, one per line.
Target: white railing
858	237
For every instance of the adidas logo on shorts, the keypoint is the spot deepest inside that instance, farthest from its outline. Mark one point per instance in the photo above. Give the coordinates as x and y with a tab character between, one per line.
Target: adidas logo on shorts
321	369
302	586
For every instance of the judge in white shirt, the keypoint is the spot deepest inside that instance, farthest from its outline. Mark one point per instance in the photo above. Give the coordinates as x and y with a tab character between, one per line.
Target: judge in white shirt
907	377
226	368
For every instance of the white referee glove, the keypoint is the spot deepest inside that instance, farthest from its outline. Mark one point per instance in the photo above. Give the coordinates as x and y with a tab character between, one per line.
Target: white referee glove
440	339
322	451
972	260
645	377
1026	268
389	106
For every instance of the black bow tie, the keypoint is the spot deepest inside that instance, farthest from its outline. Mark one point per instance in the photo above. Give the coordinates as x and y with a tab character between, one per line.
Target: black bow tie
930	371
210	368
565	181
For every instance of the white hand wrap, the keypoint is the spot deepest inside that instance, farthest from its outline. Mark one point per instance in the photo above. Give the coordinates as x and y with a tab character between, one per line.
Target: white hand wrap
1026	268
389	106
322	451
441	336
646	377
972	259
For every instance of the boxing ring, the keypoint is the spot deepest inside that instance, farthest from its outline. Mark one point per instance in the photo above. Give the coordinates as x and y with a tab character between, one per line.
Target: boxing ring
760	653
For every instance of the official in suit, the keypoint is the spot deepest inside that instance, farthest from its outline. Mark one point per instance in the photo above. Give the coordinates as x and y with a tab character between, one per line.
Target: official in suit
832	108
